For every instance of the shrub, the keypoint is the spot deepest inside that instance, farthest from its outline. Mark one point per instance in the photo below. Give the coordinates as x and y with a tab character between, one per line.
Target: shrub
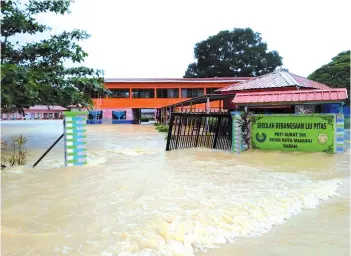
19	158
162	128
144	119
12	160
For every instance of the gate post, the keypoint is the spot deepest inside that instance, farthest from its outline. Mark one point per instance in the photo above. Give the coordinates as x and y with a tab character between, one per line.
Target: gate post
219	119
169	136
237	140
74	129
340	133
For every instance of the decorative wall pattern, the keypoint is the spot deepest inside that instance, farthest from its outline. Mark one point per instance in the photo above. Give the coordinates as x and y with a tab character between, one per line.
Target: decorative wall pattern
340	133
237	140
75	138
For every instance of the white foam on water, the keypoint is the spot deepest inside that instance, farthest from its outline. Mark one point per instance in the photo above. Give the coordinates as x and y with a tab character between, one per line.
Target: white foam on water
199	220
96	158
14	169
63	250
131	152
93	159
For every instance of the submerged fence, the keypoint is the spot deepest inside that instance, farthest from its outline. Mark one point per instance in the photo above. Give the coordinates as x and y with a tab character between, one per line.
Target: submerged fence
188	130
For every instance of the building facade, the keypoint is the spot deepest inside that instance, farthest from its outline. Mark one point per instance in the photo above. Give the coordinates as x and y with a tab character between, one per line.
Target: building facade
277	93
40	112
131	99
284	86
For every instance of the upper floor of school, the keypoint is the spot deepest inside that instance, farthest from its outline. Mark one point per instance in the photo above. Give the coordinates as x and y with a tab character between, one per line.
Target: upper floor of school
158	92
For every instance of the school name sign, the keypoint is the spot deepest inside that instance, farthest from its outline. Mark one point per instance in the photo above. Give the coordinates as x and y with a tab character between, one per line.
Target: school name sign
312	133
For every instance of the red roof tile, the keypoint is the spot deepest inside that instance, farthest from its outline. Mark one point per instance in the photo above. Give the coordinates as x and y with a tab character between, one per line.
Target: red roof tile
304	82
291	96
275	79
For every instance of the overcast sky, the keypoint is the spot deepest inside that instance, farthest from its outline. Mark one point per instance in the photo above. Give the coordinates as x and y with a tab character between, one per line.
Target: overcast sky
155	39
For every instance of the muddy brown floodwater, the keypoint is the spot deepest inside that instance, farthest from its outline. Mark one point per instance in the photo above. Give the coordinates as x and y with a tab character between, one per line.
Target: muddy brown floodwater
134	198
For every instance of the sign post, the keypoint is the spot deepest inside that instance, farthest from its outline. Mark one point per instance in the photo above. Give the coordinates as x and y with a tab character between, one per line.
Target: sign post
74	124
309	133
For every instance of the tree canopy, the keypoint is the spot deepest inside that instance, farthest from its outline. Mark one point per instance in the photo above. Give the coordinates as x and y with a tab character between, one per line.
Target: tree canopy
239	52
336	73
34	72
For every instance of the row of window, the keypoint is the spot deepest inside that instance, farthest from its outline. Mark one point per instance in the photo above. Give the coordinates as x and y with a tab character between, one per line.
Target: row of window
160	93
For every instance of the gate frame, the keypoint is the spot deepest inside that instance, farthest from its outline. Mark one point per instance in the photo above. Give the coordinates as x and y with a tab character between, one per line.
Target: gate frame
200	115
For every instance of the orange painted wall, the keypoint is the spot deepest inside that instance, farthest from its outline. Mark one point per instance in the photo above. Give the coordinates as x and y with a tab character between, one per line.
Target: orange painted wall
153	102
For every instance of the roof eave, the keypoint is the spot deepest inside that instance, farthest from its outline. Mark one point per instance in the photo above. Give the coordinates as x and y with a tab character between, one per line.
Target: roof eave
286	103
195	80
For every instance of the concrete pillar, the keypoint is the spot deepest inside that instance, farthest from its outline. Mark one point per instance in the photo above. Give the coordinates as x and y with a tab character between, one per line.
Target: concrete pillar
207	111
161	114
237	140
74	126
341	108
208	105
340	133
170	113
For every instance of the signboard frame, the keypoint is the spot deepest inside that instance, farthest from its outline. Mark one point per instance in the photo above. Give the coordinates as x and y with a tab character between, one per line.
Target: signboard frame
328	119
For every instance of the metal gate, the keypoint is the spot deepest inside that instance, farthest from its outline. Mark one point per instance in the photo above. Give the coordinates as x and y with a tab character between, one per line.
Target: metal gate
189	130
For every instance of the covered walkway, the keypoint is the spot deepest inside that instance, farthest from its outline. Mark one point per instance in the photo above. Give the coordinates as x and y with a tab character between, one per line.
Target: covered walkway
190	105
291	97
298	101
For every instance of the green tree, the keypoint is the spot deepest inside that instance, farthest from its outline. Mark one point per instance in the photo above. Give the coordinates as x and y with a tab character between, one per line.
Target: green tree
336	73
34	72
240	52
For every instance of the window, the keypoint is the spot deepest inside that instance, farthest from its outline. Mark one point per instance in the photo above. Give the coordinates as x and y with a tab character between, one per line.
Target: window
143	93
318	108
167	93
331	108
192	93
119	115
211	90
119	93
94	115
147	114
95	95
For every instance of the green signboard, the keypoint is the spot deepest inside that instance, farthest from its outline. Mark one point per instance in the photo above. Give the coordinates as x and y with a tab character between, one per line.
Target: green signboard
313	133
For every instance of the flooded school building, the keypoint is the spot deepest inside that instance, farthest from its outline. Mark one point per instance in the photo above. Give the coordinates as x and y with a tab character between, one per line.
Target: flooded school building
130	195
136	100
